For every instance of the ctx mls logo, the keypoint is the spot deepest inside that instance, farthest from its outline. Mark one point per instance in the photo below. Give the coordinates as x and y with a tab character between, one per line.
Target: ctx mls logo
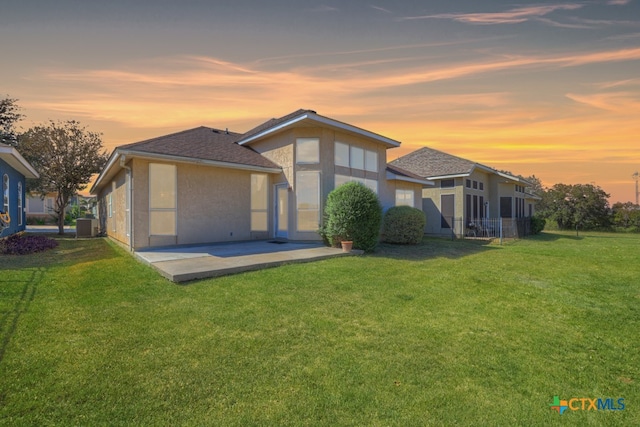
587	404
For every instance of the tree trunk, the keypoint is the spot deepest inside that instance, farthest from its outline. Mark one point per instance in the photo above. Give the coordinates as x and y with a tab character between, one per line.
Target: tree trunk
61	223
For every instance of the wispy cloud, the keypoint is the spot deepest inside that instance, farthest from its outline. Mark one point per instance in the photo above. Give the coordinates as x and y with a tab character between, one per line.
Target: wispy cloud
381	9
324	9
618	2
512	16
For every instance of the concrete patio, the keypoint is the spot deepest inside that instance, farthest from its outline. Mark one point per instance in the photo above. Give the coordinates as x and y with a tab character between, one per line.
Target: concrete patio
184	263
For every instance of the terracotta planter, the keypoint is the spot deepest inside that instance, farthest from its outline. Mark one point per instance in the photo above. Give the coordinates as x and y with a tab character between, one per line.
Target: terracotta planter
347	245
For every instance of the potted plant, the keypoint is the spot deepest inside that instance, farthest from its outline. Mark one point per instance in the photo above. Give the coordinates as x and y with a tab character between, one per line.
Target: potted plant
347	245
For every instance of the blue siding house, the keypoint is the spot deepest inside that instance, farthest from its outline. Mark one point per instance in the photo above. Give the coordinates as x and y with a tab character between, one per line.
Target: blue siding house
14	169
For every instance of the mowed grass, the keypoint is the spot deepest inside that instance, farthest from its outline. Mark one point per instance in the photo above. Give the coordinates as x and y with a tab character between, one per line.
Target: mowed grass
446	333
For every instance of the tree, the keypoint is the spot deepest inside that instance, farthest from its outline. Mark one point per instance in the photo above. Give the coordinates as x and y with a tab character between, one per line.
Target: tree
576	206
66	156
626	215
9	116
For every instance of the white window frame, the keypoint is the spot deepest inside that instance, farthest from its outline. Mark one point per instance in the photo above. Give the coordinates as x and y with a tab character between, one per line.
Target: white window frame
262	208
371	160
405	197
315	158
341	146
173	209
299	178
356	154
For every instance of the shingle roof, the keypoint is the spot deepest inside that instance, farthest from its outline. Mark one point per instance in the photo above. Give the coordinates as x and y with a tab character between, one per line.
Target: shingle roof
427	162
396	170
202	143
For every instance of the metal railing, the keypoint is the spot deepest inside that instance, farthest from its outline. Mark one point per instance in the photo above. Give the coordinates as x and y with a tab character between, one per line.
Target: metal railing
491	228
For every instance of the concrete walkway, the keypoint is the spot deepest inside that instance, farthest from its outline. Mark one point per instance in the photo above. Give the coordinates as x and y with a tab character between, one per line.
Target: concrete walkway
181	264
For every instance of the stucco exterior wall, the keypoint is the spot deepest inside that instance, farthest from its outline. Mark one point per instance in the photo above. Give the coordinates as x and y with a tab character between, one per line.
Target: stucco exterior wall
213	205
431	205
114	225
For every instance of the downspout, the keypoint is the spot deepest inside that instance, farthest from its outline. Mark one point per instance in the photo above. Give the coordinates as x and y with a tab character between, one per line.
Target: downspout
123	160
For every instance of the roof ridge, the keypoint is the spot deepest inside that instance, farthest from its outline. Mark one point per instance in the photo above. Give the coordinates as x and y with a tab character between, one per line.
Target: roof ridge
177	134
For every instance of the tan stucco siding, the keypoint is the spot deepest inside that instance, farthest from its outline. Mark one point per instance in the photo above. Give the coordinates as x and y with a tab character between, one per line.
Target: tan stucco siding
431	205
114	223
213	205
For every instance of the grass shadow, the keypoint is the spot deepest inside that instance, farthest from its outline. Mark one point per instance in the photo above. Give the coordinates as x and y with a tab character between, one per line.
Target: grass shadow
69	251
434	247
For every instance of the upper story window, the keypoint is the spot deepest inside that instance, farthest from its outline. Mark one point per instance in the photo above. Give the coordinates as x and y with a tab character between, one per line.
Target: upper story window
357	158
468	183
448	183
481	185
475	185
341	154
350	156
307	150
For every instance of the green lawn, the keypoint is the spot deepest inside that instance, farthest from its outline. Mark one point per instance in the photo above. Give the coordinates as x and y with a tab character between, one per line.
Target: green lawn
448	333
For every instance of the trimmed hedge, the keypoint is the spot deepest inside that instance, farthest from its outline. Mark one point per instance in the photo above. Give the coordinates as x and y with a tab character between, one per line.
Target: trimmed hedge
352	212
403	225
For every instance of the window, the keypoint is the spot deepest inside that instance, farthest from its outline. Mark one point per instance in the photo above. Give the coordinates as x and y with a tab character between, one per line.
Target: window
20	210
110	204
468	208
404	197
476	213
307	150
308	198
5	193
162	199
482	215
371	161
357	158
505	207
341	154
475	185
447	183
372	184
259	197
481	185
468	183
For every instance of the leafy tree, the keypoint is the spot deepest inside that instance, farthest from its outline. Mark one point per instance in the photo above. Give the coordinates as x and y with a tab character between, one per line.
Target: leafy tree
536	185
626	215
66	156
9	116
583	206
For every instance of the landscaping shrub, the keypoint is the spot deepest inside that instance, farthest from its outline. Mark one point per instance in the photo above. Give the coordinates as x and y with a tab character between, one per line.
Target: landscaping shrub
23	245
352	212
403	225
537	224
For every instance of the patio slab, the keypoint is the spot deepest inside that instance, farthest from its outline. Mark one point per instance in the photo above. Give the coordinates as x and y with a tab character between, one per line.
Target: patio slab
185	263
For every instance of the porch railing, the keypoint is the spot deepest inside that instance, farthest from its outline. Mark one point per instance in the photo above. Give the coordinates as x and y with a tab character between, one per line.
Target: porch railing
491	228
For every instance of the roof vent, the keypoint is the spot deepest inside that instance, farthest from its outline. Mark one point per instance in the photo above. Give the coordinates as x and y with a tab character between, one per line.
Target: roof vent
226	130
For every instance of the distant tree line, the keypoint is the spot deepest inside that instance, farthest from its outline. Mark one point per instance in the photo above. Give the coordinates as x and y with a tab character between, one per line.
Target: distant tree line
583	207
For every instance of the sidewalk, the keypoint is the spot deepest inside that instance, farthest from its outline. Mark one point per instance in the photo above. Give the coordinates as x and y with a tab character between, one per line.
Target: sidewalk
49	229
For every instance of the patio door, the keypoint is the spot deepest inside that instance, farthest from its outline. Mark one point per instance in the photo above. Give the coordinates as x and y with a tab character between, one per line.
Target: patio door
282	211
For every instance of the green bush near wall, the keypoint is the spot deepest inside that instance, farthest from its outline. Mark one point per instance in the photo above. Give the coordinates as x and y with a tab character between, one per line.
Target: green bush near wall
403	225
537	224
352	212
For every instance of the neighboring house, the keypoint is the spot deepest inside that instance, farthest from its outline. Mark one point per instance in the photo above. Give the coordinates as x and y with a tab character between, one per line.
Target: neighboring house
466	190
14	169
208	185
42	208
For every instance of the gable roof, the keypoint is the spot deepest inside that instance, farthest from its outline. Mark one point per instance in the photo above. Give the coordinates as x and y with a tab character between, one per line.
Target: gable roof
429	163
14	159
435	164
202	145
309	117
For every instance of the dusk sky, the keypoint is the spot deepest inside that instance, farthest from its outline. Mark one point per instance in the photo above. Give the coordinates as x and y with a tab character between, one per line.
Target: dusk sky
551	88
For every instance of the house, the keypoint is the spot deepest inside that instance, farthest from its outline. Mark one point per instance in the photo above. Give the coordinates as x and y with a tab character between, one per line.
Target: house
41	208
14	169
210	185
465	190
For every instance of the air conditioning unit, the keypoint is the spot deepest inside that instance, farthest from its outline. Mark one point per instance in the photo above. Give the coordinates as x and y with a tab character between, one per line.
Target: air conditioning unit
86	227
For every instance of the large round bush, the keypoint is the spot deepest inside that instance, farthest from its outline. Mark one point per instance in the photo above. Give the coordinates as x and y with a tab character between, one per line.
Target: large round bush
352	212
537	224
403	225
